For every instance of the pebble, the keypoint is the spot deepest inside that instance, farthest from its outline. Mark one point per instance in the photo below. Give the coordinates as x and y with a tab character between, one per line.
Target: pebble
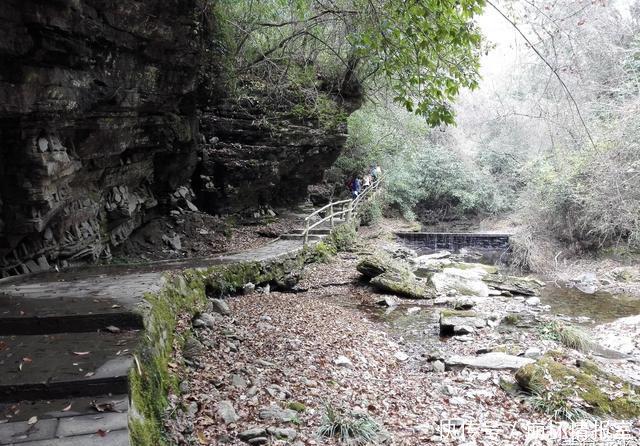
343	361
227	412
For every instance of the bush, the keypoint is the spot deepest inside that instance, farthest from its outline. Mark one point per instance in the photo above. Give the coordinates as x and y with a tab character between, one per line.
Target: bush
350	428
323	252
343	237
371	211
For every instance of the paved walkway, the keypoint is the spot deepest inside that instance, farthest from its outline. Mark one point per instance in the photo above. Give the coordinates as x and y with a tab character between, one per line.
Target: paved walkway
66	341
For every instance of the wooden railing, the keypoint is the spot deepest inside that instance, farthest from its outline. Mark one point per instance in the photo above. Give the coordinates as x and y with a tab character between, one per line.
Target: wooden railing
347	209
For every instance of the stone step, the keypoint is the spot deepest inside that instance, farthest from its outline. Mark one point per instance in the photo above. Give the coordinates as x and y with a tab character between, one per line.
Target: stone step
27	316
81	421
40	367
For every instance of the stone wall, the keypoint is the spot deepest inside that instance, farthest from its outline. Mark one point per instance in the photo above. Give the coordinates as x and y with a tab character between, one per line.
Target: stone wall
454	241
97	121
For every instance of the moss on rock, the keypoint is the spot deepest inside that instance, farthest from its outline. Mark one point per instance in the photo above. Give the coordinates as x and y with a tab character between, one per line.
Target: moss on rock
588	387
185	292
402	284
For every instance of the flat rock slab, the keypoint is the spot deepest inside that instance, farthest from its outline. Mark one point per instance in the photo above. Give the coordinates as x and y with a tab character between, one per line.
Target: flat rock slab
60	365
493	360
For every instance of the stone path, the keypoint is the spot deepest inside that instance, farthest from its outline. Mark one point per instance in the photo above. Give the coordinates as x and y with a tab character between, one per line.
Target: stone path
66	343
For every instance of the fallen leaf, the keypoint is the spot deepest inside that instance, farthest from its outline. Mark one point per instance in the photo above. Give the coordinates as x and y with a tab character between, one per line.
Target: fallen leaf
201	438
89	374
27	360
103	407
3	346
32	420
81	353
102	433
67	408
112	329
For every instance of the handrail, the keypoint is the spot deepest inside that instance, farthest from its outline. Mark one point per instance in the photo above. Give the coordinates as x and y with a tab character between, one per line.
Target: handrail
331	215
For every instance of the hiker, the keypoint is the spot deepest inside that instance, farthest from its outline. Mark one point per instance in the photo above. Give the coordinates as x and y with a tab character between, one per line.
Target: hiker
357	187
376	171
366	181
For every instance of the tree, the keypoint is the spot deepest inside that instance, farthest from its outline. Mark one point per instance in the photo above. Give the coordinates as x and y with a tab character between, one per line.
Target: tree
424	51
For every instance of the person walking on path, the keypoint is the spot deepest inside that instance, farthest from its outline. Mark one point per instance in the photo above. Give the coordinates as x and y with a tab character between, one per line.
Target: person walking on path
366	181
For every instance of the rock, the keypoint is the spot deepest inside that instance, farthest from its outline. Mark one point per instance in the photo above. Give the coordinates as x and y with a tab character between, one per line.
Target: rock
413	310
271	213
276	413
248	288
173	242
463	330
238	381
514	285
438	366
282	433
192	409
531	301
465	282
184	387
253	432
192	207
452	322
403	284
258	440
192	348
378	264
219	306
388	301
401	356
587	387
227	412
463	303
533	353
434	256
343	361
493	360
207	320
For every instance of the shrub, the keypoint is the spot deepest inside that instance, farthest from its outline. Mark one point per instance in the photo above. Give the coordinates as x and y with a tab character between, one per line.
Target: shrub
567	335
323	252
343	237
371	211
351	428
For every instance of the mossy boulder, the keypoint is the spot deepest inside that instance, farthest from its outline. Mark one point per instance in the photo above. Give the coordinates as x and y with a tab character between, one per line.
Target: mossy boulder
588	387
377	264
403	284
515	285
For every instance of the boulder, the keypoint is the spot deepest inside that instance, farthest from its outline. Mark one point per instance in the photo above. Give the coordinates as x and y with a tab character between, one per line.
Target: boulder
454	322
402	284
219	306
276	413
586	386
493	361
466	282
375	265
514	285
227	412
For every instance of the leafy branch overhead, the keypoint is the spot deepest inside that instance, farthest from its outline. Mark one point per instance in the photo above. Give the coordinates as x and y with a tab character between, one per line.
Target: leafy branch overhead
423	51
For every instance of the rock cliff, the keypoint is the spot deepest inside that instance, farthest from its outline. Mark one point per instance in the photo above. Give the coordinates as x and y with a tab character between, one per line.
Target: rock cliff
107	107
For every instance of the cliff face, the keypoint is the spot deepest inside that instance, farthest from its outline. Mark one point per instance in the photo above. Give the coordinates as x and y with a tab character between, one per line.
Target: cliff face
97	121
257	152
102	118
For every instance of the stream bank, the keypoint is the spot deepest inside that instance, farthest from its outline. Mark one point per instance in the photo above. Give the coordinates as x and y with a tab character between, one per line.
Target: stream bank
266	371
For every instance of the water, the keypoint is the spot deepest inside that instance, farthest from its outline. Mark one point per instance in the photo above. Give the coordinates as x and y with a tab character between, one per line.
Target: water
600	307
413	327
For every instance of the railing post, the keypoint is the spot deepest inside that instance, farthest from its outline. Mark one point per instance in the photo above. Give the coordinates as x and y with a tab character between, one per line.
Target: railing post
331	215
306	233
350	211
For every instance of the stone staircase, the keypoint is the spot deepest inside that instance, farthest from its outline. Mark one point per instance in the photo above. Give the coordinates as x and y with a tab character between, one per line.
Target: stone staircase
64	363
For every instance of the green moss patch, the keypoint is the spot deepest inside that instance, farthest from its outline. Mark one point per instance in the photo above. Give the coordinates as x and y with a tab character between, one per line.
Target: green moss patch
567	391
